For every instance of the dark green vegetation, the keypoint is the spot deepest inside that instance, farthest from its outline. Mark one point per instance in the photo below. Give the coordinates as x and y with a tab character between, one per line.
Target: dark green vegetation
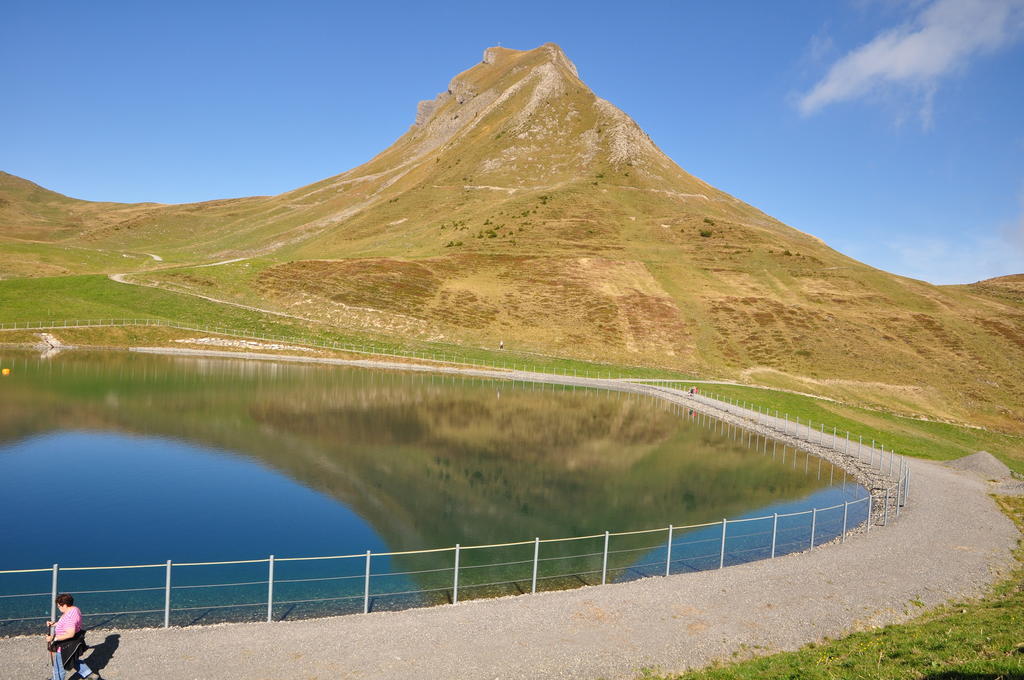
975	640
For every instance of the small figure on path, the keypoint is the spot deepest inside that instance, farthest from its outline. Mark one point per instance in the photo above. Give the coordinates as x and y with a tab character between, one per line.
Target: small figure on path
501	344
67	642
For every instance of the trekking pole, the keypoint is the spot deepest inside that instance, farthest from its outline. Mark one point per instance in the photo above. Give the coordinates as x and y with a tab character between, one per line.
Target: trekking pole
52	655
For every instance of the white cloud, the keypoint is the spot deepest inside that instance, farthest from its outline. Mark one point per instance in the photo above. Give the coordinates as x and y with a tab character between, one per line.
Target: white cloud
820	46
997	251
942	261
941	39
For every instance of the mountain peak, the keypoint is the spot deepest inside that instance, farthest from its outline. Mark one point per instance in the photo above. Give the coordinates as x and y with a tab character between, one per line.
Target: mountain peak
552	52
528	111
501	69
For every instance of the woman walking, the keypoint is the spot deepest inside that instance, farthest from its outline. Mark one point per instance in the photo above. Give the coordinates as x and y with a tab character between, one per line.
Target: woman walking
67	642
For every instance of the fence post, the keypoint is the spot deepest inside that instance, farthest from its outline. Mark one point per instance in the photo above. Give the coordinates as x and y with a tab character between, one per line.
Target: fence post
668	557
906	486
814	523
846	510
899	486
871	503
366	586
270	589
455	582
604	561
167	597
53	594
721	555
775	528
885	510
536	556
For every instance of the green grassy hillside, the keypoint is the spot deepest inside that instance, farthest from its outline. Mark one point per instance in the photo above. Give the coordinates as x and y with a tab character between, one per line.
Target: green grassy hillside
520	207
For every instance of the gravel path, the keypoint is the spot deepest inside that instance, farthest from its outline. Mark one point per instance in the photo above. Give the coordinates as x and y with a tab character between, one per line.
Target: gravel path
950	541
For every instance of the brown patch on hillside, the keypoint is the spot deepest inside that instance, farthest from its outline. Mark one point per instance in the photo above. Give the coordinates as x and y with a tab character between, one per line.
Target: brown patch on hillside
382	283
583	303
1014	334
466	309
806	338
940	334
190	279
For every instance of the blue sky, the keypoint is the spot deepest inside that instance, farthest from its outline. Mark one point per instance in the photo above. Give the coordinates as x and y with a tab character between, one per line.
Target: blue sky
891	129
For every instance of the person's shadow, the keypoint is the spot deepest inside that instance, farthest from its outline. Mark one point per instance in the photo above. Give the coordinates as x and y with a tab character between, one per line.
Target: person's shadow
100	655
958	675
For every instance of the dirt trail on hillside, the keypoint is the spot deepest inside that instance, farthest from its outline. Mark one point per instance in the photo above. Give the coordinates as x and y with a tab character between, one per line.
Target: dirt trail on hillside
120	278
949	542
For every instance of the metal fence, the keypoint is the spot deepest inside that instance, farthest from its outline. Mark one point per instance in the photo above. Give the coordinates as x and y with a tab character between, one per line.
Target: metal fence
277	588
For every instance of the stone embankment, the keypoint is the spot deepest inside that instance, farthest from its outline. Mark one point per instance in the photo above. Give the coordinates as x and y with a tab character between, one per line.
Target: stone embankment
246	344
876	469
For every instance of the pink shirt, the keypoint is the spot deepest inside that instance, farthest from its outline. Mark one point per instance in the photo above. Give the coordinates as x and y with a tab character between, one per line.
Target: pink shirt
71	620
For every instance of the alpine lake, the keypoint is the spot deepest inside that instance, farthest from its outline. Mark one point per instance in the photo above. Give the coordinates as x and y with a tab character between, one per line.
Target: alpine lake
112	458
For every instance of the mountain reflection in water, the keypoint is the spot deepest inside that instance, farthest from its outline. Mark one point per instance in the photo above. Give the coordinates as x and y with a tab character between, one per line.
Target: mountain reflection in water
427	461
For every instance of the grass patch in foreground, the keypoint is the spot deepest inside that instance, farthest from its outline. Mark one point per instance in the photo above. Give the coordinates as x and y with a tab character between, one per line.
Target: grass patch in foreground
980	640
908	436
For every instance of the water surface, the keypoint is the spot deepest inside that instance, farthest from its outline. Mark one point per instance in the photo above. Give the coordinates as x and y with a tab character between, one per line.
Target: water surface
152	458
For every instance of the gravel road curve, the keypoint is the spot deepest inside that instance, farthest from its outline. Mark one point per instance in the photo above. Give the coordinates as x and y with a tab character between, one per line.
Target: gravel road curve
950	541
